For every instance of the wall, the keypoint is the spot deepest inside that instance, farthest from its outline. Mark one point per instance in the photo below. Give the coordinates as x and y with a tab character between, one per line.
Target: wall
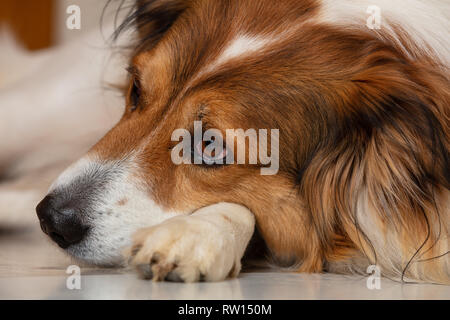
30	21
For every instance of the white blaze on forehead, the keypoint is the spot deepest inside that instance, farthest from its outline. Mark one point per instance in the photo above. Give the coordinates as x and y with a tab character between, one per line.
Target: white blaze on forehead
243	45
240	46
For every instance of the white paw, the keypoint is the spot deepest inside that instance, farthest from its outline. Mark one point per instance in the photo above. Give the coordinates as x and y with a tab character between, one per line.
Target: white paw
186	248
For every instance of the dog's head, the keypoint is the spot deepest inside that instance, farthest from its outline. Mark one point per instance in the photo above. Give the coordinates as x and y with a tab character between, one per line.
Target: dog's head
195	68
267	67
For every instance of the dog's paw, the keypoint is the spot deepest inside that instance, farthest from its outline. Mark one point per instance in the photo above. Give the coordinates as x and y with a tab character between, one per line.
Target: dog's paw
186	249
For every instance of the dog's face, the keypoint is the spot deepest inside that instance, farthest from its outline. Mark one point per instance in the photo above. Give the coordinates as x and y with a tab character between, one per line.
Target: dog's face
337	97
129	179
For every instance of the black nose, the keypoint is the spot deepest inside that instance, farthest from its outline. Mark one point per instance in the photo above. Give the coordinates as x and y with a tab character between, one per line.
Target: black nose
60	222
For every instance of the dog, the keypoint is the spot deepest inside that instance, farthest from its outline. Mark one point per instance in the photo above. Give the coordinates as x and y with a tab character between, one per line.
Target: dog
359	92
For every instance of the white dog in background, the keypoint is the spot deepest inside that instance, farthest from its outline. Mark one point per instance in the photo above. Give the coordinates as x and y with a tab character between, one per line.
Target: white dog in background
54	104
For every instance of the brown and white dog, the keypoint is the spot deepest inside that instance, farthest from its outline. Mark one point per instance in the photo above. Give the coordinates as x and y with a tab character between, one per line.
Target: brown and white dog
363	113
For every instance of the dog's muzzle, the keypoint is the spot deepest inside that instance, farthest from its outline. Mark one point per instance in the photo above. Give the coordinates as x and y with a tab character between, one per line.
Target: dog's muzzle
60	221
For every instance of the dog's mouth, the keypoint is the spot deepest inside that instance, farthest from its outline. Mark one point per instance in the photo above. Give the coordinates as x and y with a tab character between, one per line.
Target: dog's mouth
94	208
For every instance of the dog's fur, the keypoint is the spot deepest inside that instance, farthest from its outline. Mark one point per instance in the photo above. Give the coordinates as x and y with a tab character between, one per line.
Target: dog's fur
364	121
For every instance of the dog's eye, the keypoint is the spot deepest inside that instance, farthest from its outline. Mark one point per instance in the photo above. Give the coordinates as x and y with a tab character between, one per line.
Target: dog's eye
210	154
135	95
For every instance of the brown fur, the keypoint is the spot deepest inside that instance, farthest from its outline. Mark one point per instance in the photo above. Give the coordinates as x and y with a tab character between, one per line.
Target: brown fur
359	120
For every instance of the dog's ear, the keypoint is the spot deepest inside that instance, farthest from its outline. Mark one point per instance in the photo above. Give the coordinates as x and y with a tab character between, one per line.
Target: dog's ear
155	17
387	170
152	19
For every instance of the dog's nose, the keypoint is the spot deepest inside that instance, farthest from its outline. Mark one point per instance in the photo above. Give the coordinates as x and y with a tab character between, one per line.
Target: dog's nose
60	222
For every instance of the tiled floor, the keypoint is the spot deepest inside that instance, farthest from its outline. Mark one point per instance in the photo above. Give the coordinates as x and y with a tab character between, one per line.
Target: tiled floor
32	268
258	286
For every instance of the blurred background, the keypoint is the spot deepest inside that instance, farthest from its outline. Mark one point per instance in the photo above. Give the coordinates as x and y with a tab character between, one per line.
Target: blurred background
57	99
40	24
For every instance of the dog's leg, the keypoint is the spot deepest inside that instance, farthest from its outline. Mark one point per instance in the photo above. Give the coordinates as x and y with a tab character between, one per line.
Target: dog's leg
206	245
